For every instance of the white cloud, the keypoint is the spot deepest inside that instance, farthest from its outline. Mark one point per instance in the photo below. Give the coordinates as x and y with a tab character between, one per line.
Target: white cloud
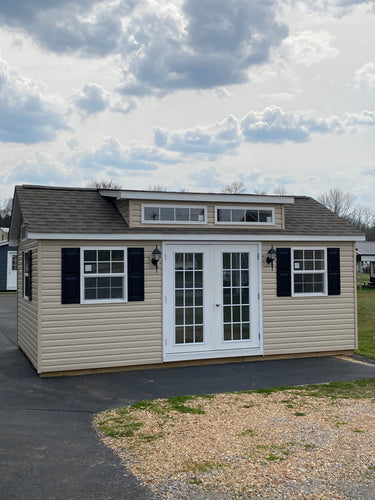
91	99
307	48
337	8
364	118
111	154
220	138
40	169
28	113
273	125
364	77
88	27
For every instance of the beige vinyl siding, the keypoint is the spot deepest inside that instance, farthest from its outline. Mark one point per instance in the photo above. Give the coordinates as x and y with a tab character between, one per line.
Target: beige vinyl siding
85	336
27	310
310	324
123	207
135	214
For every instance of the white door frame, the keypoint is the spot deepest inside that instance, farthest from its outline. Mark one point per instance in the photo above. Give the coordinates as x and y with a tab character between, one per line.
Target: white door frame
211	348
11	274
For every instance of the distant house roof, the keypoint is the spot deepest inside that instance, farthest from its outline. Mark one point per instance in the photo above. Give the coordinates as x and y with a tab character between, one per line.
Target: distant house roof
364	248
55	210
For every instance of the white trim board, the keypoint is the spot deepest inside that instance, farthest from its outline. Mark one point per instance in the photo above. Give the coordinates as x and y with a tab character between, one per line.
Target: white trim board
192	236
201	197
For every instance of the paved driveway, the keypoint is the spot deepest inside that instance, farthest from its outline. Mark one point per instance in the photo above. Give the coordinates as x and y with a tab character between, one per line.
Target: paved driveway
48	449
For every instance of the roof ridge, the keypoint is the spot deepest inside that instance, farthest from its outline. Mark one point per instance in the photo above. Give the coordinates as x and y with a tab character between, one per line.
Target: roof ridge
60	188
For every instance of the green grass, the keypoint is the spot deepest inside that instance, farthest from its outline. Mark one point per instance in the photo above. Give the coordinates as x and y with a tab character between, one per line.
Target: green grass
121	423
366	322
365	278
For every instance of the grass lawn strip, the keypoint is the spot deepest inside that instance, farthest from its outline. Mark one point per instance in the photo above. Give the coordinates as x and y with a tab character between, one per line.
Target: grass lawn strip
312	441
366	323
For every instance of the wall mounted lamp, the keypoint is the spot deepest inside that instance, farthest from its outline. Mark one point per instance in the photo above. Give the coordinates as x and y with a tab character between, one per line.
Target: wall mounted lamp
156	254
271	256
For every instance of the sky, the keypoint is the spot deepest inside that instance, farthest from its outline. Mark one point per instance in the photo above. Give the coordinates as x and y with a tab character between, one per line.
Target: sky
189	94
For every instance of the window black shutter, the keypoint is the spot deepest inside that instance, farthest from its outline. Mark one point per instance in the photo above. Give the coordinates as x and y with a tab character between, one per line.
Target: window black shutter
334	281
70	275
136	274
29	287
283	264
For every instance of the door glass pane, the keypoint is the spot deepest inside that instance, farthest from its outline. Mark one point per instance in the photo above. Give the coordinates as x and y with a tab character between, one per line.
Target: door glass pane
189	312
199	334
226	260
189	334
237	331
245	331
180	335
198	279
179	261
189	316
179	297
189	298
235	280
236	295
227	332
198	297
198	261
235	260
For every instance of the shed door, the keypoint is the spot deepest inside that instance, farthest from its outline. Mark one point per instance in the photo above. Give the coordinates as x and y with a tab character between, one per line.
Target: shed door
211	305
12	271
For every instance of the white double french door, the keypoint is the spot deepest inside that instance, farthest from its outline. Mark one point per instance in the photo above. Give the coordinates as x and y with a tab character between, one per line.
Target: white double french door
211	301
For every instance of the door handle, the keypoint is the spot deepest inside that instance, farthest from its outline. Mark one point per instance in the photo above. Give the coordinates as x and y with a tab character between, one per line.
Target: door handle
217	305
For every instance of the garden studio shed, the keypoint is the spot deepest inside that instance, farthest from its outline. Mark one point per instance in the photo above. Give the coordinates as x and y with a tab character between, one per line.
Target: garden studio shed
118	278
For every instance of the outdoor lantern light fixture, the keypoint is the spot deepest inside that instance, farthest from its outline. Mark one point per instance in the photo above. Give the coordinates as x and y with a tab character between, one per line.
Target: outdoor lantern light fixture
156	254
271	256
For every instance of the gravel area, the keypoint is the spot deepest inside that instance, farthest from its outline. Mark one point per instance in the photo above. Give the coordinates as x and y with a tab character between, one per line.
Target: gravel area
285	445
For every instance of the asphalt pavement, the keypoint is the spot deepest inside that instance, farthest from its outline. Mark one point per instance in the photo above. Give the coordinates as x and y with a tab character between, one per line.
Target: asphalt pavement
48	448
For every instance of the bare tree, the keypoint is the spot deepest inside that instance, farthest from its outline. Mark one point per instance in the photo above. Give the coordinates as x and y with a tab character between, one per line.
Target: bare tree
157	187
280	190
234	187
338	202
363	217
6	207
343	204
6	212
104	184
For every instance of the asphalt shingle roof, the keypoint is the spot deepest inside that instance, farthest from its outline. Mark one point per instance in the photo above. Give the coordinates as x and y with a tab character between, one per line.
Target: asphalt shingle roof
86	211
68	210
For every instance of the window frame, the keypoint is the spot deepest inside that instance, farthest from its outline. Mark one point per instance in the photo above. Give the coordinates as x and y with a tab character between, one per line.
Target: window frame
26	273
304	271
243	223
155	205
84	275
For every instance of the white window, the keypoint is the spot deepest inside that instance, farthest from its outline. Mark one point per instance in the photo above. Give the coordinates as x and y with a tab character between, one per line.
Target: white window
181	214
246	215
309	271
27	275
103	275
